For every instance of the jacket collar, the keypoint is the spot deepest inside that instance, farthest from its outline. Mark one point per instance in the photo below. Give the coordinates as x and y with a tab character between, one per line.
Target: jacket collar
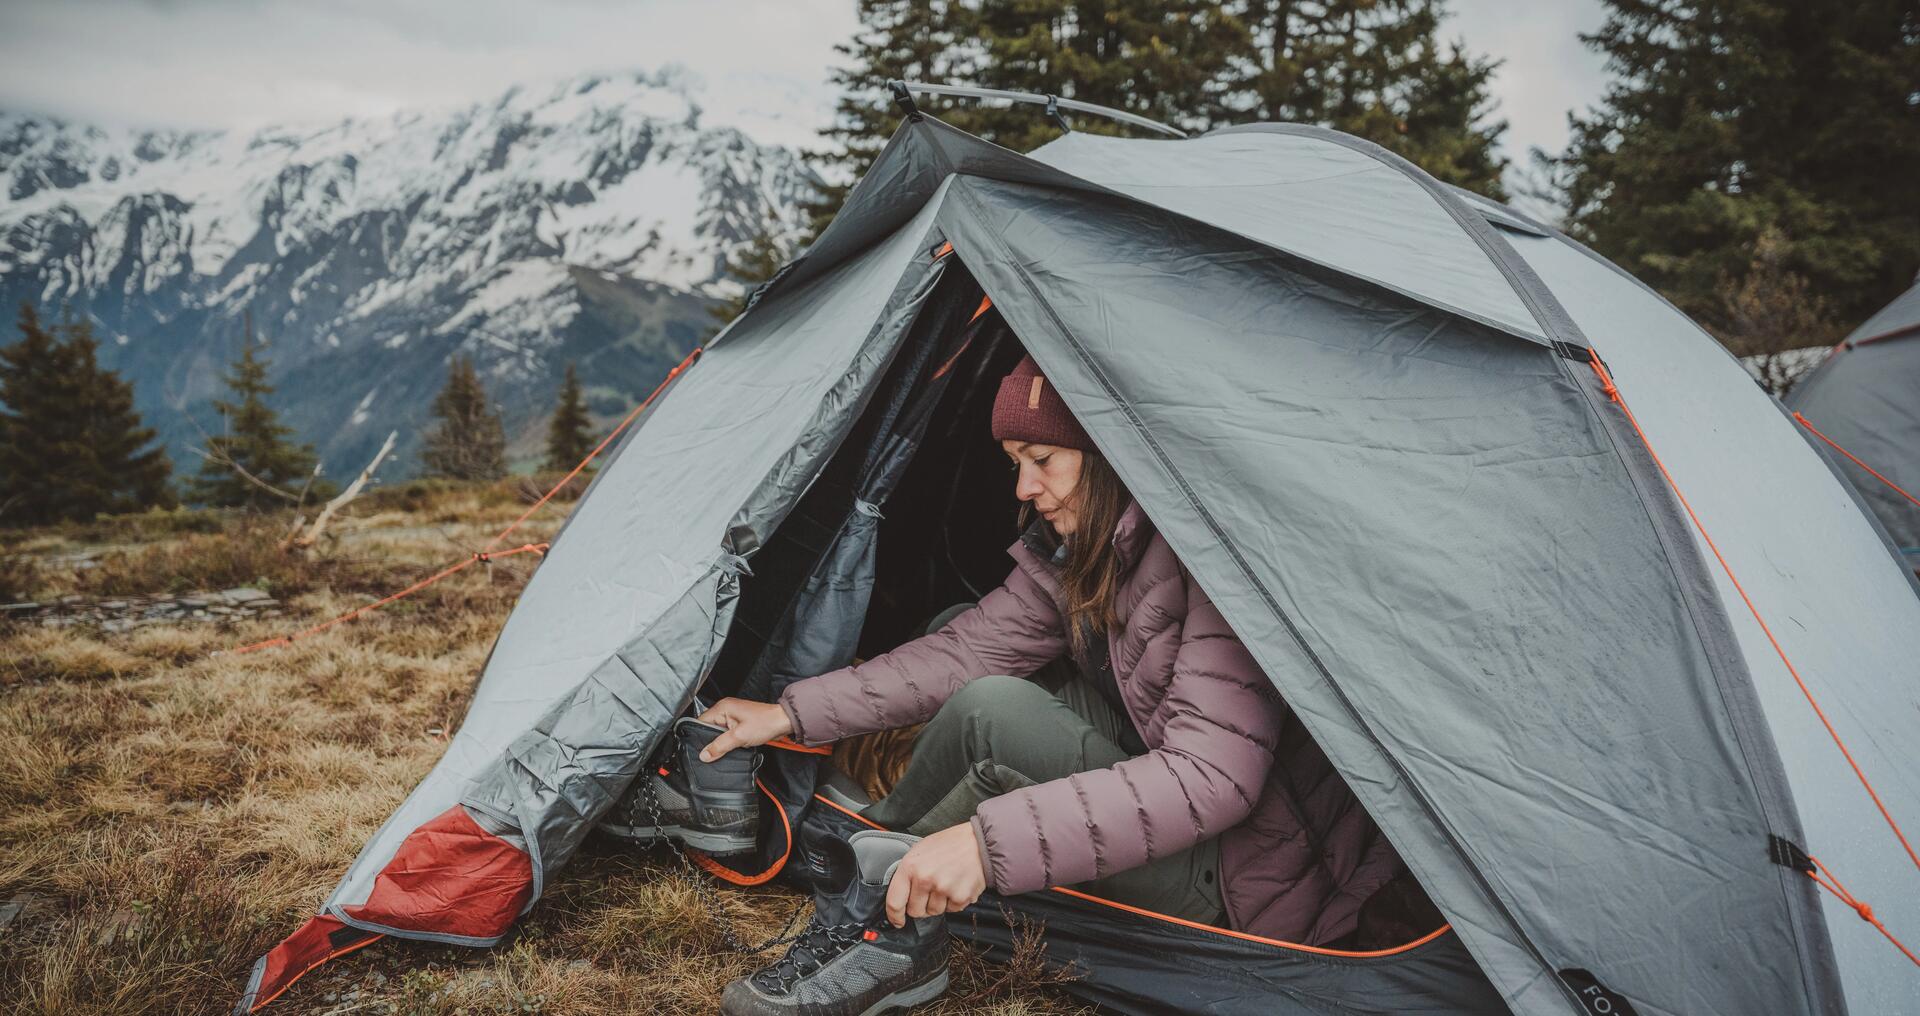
1130	537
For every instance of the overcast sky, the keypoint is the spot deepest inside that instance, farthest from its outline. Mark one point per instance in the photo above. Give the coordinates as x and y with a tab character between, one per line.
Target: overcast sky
761	64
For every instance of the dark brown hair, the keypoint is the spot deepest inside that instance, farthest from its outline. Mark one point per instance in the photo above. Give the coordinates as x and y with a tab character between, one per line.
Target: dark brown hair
1090	580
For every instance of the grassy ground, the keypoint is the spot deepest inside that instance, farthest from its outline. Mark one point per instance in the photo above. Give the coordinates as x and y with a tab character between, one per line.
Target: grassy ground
168	812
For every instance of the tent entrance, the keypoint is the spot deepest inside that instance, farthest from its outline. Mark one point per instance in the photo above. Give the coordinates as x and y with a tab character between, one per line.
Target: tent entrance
912	514
908	516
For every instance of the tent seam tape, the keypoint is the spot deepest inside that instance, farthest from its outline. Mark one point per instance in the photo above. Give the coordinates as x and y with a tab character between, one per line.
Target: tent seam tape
1273	605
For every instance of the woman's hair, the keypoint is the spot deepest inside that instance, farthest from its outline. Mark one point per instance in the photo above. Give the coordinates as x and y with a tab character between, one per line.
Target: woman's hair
1091	578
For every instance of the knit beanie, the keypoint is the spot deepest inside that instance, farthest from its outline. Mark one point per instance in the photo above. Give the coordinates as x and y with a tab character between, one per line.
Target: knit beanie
1028	408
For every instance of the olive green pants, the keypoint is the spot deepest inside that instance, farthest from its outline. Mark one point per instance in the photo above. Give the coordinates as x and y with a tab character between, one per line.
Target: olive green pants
999	734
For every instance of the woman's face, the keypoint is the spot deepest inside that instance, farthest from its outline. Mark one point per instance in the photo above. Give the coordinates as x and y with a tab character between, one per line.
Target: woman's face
1046	475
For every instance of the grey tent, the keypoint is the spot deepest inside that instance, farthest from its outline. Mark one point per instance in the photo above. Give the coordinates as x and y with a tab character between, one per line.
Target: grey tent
1863	403
1426	455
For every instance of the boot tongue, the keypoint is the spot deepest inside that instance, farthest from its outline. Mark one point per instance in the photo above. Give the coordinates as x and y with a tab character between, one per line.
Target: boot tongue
866	902
835	902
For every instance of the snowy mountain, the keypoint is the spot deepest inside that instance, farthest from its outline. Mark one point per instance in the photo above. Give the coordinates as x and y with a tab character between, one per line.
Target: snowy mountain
589	220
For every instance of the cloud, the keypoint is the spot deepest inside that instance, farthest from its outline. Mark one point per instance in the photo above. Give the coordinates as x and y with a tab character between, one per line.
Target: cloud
1545	71
762	64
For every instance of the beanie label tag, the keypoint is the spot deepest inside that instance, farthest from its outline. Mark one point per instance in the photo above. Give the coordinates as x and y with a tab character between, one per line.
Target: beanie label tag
1033	396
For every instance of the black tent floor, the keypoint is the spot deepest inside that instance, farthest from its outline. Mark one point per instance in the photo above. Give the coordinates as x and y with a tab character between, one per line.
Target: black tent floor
1132	962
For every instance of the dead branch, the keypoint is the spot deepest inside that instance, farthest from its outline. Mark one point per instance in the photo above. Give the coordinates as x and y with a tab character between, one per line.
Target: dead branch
249	477
312	535
227	460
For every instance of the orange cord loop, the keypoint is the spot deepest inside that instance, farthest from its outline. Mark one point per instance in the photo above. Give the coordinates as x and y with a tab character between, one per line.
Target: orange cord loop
1607	385
1831	883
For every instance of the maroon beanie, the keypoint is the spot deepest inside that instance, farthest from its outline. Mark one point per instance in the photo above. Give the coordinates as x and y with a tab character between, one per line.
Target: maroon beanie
1029	409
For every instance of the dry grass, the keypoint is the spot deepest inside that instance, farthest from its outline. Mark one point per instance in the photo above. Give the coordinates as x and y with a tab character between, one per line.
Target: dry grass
168	813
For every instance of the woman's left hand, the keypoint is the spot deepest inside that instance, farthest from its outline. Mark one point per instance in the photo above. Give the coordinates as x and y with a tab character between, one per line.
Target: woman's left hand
940	874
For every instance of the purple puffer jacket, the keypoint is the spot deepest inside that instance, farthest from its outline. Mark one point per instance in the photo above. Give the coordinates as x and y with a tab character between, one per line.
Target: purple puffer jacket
1298	854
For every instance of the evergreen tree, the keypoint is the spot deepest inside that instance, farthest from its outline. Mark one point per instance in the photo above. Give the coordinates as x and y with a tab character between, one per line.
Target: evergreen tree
468	443
753	265
71	445
1727	119
569	436
1375	69
253	439
1371	67
1168	60
909	40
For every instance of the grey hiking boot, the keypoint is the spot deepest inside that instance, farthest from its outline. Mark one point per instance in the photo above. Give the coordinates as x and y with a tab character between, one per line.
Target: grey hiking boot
708	806
850	961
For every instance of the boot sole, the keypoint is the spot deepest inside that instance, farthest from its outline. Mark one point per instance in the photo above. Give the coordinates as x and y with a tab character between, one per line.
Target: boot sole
907	998
719	844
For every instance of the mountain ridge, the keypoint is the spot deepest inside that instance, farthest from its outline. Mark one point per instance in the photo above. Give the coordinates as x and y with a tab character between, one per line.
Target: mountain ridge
589	219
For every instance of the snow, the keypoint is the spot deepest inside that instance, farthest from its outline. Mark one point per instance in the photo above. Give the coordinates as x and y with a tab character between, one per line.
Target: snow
385	217
360	412
522	280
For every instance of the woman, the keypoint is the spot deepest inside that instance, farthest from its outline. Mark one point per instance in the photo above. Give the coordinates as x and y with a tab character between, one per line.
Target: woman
1168	775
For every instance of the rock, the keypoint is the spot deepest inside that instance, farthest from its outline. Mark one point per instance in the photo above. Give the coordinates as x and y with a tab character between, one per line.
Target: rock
193	601
19	608
112	605
242	595
13	908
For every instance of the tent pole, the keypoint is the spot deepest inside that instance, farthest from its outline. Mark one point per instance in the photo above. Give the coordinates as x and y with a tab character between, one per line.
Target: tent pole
1053	103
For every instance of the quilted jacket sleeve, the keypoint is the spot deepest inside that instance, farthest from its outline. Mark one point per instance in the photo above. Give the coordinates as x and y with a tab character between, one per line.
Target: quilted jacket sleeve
1215	750
1014	630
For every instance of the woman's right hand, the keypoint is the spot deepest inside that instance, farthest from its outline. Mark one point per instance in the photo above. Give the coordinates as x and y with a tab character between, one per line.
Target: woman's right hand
748	723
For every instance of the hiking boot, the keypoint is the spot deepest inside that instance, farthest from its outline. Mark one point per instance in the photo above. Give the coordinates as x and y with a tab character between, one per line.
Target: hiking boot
707	806
849	961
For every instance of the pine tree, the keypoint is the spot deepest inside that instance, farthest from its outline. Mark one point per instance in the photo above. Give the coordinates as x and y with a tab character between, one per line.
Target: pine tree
1371	67
1375	69
753	265
253	439
71	445
909	40
469	442
1727	119
568	436
1167	60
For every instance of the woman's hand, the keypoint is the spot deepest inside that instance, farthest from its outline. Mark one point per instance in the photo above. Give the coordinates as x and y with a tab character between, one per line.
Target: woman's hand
748	723
941	874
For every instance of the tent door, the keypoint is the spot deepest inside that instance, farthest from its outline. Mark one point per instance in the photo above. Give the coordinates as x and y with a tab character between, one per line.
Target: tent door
802	611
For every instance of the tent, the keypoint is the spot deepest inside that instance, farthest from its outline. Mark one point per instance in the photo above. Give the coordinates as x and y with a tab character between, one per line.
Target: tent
1863	404
1505	529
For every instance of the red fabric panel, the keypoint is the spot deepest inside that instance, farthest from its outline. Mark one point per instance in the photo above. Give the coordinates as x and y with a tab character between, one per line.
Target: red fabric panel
451	877
317	941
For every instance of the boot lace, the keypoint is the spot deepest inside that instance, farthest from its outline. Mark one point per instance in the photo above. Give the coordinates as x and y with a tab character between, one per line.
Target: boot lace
815	948
704	892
